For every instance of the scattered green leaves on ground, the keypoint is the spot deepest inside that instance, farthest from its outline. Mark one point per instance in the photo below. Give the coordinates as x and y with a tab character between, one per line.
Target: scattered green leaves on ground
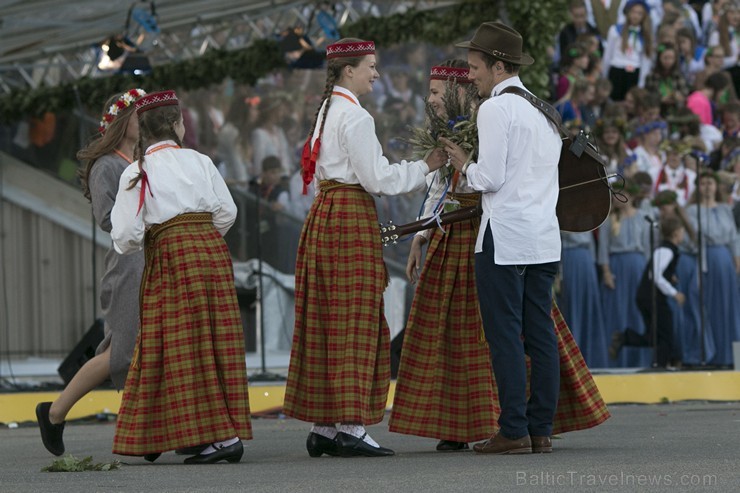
70	463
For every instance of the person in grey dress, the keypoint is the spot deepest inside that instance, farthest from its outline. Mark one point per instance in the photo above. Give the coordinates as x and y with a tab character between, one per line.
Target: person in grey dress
104	160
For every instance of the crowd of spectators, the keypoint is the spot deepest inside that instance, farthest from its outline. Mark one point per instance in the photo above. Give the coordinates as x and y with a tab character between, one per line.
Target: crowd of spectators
654	83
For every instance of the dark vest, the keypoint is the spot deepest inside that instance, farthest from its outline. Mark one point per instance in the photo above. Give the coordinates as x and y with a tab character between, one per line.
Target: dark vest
644	290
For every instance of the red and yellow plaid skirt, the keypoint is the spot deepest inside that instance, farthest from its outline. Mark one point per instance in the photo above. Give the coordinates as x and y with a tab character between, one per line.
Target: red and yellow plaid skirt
340	359
187	384
445	387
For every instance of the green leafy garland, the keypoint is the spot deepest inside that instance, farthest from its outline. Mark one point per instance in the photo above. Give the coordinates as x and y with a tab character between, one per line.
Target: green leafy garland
537	20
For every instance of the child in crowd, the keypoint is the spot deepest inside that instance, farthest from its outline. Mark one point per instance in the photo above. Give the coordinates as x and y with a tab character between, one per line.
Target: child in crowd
661	272
629	49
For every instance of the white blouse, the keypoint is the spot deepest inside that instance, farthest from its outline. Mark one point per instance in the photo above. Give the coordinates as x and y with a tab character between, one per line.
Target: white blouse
634	59
351	153
436	184
180	181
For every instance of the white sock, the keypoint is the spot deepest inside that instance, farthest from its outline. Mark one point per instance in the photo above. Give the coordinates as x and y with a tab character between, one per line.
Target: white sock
358	431
329	432
219	445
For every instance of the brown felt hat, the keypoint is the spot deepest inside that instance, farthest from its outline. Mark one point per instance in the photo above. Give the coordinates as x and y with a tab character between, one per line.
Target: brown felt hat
499	40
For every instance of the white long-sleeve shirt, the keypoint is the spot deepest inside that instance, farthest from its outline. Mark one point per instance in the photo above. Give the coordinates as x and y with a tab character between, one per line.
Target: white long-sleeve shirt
731	58
351	153
517	172
180	181
273	142
634	59
661	258
656	11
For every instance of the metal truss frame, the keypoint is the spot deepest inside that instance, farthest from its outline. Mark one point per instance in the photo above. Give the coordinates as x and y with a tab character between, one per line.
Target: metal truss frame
188	29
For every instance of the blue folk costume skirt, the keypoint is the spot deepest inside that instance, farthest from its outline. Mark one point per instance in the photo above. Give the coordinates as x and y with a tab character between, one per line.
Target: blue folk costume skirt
580	303
687	318
722	302
620	307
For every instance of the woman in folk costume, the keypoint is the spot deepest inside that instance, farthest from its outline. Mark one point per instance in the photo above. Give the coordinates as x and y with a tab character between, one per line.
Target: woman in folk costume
579	296
674	174
720	265
105	159
445	387
624	246
340	360
187	385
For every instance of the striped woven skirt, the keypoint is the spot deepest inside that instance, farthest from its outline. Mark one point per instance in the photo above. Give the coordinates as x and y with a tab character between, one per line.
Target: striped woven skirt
187	384
445	387
340	359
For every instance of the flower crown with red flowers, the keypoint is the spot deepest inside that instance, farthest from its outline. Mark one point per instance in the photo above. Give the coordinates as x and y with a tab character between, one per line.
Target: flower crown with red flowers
457	74
124	101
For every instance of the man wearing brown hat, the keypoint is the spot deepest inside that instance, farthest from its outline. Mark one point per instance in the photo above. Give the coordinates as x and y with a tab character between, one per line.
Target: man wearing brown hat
518	245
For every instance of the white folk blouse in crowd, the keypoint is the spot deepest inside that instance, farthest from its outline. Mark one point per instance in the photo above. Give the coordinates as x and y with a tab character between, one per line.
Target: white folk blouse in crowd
180	181
517	171
351	153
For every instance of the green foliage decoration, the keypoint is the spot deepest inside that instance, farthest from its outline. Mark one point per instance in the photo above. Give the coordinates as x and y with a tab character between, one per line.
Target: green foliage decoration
537	20
70	463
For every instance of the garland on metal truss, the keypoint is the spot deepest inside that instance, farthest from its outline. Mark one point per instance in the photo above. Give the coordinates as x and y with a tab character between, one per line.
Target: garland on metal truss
537	20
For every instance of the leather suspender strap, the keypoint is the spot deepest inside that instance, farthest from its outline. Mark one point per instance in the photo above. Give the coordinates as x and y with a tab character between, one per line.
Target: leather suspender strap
546	108
579	144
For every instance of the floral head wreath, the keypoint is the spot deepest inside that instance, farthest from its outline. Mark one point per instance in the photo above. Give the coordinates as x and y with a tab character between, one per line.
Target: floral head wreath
665	197
680	147
710	174
649	127
603	123
124	101
729	160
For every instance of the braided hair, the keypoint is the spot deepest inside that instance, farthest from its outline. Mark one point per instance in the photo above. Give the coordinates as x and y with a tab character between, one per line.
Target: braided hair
155	125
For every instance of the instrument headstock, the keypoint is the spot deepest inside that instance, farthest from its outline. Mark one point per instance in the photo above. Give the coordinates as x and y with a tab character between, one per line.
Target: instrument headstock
388	234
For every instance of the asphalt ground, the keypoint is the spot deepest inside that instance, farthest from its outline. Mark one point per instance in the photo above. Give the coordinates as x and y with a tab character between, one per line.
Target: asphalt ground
667	447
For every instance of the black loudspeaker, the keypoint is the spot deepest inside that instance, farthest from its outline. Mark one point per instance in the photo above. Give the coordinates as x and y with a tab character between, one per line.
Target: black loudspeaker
82	352
246	299
396	346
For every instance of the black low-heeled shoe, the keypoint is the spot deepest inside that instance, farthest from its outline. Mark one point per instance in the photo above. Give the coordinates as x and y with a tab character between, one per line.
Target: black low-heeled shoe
319	444
152	457
450	446
51	434
194	450
351	446
233	453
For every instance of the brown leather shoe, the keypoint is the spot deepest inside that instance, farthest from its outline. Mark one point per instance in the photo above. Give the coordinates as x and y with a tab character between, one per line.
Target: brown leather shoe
500	445
541	445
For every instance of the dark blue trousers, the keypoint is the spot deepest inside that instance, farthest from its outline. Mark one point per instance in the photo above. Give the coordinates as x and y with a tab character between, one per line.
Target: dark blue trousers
515	304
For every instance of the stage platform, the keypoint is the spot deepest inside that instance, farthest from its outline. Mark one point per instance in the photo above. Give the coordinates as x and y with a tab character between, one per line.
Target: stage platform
630	386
